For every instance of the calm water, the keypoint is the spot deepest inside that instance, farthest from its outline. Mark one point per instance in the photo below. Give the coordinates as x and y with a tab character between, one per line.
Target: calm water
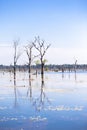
58	104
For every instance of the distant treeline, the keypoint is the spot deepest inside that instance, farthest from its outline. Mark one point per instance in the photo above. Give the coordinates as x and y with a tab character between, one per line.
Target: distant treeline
64	67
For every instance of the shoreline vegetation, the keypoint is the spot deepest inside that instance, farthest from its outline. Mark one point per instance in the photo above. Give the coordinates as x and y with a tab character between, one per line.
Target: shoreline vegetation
55	68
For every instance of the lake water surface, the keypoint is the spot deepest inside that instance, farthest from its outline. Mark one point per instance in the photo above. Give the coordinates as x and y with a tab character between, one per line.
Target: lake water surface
60	103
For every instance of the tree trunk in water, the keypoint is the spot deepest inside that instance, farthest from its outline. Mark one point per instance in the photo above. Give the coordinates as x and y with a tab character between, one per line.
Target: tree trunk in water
30	88
29	71
14	72
42	71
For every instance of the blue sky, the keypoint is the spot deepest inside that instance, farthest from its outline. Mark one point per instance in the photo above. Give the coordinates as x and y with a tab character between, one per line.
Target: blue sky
63	23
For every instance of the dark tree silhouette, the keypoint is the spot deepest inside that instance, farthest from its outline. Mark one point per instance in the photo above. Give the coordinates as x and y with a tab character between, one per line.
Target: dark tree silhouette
28	50
16	56
42	49
30	55
75	65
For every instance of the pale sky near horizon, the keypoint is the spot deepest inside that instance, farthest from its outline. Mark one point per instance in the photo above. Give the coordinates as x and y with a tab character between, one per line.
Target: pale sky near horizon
63	23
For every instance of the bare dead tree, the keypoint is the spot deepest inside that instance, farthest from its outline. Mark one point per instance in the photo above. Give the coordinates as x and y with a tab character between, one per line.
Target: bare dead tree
28	50
75	65
42	49
16	56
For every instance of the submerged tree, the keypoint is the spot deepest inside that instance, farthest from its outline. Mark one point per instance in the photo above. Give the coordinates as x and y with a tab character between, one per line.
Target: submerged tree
75	65
75	68
28	50
42	49
16	56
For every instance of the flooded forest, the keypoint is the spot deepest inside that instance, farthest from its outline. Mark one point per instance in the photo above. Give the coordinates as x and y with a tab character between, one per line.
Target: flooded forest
42	97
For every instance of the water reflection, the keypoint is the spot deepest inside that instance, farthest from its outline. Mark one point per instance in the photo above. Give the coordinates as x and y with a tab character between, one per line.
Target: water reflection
75	76
15	94
39	102
62	75
65	108
52	104
29	91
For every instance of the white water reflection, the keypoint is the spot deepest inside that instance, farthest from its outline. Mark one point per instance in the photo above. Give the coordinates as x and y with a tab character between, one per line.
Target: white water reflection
65	108
8	119
38	118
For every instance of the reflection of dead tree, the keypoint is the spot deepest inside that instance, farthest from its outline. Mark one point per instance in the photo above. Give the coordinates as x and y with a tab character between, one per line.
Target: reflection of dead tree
39	103
16	56
15	93
40	47
42	94
29	91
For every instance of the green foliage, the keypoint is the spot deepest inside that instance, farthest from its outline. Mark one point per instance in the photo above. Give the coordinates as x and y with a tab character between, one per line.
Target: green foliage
37	62
44	61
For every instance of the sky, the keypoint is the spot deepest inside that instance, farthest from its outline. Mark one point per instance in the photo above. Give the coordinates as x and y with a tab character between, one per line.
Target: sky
61	23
